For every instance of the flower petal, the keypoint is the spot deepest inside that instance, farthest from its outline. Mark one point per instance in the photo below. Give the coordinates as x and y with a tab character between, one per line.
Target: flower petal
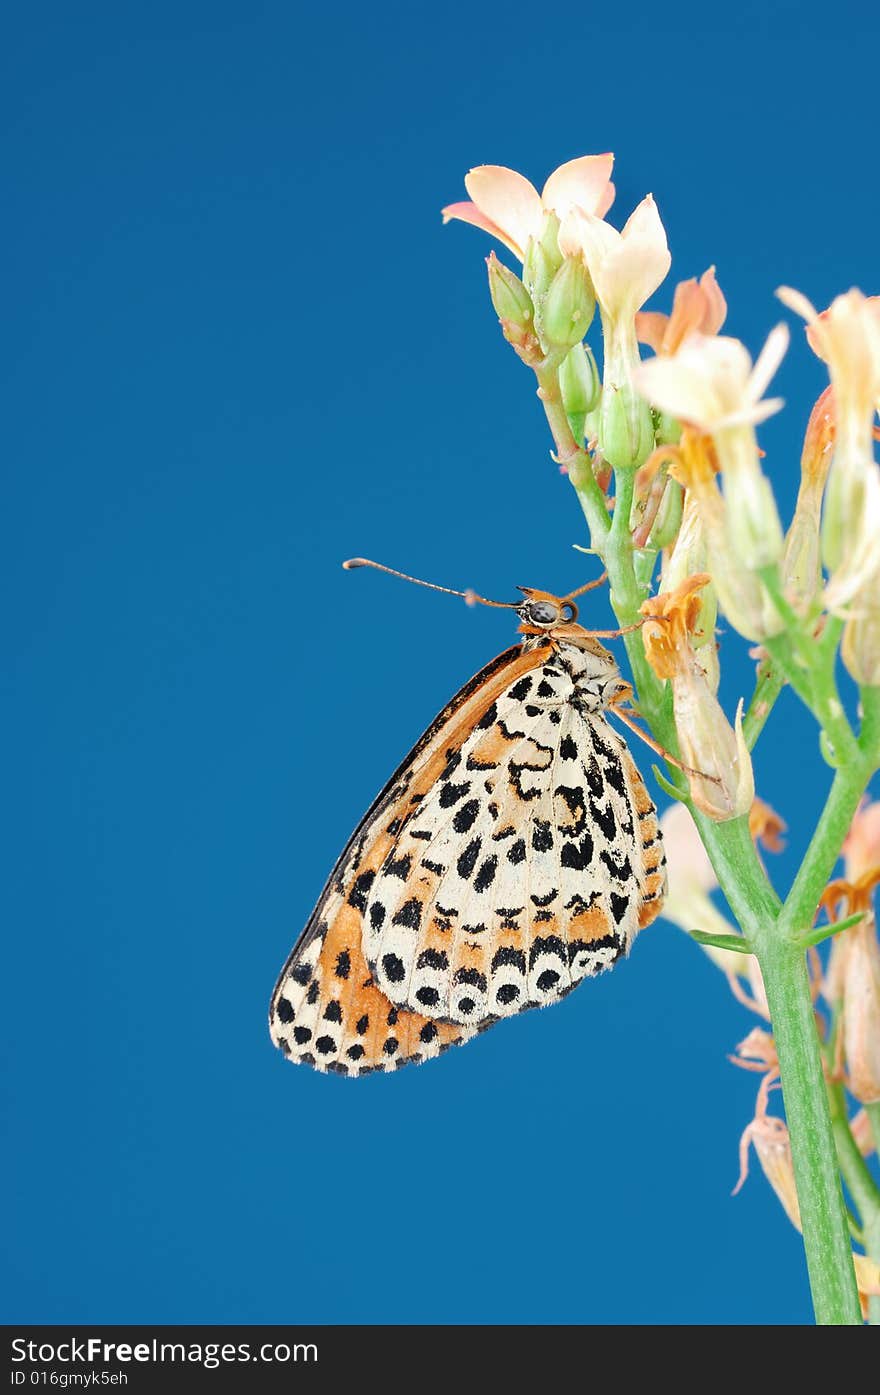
469	213
651	329
509	201
581	183
768	360
716	306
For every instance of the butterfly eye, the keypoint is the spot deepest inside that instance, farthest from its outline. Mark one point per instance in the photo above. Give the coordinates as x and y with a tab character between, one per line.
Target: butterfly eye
542	613
568	612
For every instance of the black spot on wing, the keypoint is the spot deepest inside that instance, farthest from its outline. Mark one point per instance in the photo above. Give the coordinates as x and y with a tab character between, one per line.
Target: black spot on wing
620	868
521	689
568	748
468	859
605	818
357	897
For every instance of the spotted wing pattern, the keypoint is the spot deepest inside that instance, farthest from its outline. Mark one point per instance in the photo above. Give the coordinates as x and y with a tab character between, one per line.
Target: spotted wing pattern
515	852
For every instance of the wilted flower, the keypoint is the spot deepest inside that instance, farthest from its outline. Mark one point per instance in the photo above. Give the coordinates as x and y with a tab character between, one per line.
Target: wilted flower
852	978
860	1128
689	906
766	827
710	384
725	788
867	1280
847	337
860	646
801	565
861	847
769	1137
505	205
698	307
740	593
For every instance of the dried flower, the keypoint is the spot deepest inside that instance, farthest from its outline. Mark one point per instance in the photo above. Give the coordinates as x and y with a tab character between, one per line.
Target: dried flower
847	337
725	788
867	1280
740	593
505	205
689	906
698	307
852	978
801	564
771	1142
861	847
860	1128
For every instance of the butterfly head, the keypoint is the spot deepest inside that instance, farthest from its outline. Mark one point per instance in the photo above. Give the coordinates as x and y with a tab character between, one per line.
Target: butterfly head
543	614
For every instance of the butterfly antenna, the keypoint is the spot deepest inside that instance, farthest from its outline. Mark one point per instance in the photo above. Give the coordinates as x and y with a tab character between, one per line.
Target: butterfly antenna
470	597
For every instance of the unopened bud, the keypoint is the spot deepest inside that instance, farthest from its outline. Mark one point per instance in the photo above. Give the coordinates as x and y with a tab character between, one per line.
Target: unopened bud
510	298
569	305
579	380
627	427
543	259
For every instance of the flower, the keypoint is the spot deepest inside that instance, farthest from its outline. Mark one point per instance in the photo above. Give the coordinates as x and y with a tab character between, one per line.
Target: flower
505	205
852	978
771	1142
801	565
860	647
711	384
691	879
739	591
625	267
847	337
721	781
861	847
867	1280
698	307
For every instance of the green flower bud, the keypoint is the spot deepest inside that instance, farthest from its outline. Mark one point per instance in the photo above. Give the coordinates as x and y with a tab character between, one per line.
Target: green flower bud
510	298
569	305
580	386
626	438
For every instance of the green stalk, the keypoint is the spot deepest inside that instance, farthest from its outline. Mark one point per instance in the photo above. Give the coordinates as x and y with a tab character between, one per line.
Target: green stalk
757	909
862	1187
572	455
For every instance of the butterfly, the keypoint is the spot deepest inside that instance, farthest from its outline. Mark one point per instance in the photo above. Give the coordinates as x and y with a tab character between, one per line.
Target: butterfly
513	853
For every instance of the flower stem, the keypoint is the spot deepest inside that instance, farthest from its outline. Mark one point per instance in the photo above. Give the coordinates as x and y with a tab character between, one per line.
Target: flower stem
757	909
862	1187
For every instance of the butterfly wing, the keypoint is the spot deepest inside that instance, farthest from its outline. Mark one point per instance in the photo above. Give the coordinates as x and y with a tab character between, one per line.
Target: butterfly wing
326	1010
531	863
514	852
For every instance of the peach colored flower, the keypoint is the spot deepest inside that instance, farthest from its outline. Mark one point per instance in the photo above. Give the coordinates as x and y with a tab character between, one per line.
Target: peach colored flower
847	337
507	206
698	307
801	565
625	267
710	382
861	848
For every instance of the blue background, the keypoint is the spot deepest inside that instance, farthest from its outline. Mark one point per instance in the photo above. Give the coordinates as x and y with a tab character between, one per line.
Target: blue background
238	347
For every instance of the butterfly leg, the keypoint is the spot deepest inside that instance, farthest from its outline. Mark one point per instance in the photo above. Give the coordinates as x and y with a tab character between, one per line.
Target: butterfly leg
627	720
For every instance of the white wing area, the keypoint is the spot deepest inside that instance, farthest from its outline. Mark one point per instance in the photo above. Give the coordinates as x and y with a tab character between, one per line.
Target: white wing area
520	873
